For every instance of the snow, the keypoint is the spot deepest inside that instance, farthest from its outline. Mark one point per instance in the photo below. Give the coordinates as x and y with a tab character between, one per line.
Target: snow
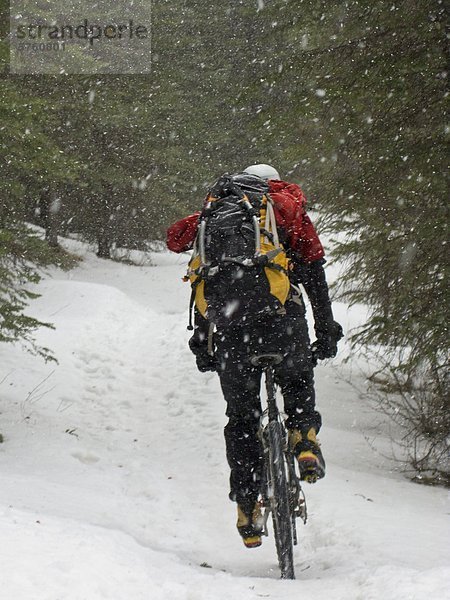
113	473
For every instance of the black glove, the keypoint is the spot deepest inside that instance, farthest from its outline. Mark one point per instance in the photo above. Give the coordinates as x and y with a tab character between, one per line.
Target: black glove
205	361
325	345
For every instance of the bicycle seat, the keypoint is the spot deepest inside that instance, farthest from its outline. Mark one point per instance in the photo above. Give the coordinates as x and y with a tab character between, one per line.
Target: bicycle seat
266	360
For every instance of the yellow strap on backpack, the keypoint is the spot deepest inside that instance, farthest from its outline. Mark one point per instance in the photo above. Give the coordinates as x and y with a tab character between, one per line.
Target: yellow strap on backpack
277	276
276	271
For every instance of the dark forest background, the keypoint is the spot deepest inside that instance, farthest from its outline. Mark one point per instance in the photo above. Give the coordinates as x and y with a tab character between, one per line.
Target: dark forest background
348	99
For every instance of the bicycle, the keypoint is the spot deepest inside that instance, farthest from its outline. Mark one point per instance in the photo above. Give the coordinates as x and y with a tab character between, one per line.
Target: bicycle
281	491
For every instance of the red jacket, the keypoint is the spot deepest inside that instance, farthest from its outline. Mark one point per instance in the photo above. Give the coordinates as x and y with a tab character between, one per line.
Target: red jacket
289	206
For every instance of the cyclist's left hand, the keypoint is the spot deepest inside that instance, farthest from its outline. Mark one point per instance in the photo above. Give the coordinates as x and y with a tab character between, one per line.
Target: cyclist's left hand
205	361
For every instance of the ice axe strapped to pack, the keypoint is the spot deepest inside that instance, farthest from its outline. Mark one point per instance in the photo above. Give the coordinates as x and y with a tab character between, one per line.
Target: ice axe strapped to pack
239	269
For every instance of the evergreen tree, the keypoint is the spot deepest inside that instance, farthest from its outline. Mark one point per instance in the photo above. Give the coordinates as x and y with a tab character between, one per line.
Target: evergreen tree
367	86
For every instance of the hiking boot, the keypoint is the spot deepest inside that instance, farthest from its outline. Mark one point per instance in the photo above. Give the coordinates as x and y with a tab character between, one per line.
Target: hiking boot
305	447
250	523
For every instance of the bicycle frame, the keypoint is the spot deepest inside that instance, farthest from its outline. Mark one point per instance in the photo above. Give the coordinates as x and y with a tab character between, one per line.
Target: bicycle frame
297	499
282	495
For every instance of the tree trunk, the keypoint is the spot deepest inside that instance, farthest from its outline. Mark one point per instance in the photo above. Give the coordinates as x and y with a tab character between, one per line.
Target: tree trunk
106	233
104	246
49	206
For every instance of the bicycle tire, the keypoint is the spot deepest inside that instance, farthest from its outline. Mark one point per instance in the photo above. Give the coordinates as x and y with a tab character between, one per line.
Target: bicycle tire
279	501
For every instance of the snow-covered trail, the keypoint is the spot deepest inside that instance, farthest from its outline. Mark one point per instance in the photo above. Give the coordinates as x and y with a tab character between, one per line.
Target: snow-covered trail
113	473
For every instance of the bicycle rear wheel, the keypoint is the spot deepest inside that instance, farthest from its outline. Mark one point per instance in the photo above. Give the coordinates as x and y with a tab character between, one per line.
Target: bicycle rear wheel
279	500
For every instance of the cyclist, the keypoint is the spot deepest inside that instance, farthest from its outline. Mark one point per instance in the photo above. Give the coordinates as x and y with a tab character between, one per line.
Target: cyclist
286	334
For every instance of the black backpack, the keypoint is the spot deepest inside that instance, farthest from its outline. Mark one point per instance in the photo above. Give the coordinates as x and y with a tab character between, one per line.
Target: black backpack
239	269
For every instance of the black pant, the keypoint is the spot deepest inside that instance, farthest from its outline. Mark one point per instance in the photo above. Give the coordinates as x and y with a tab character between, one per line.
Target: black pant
240	380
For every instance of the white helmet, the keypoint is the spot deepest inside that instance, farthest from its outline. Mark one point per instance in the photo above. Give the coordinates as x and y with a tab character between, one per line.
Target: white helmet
263	171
